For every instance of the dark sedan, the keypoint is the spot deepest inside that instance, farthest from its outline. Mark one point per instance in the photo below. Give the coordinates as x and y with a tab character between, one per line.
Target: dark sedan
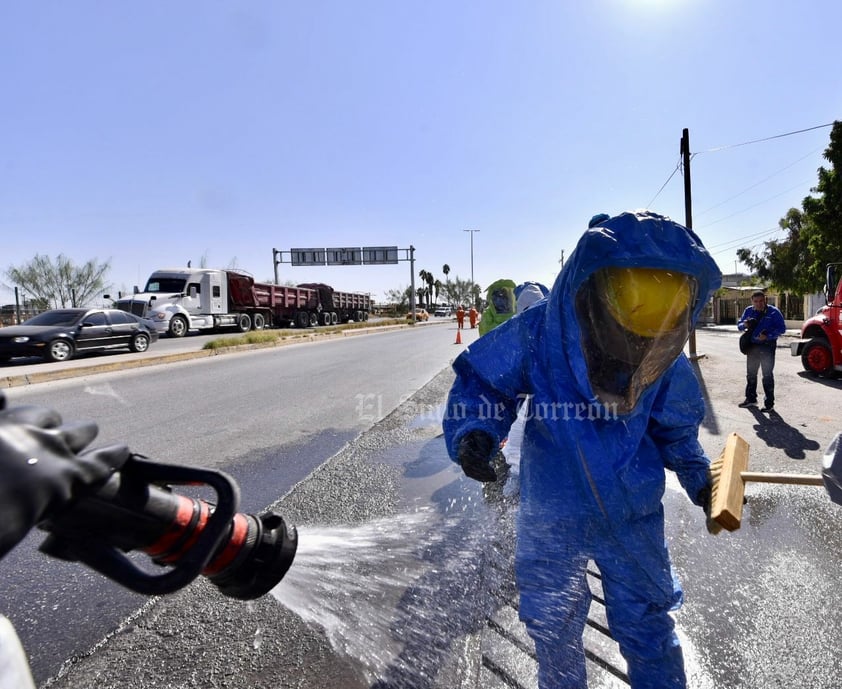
59	334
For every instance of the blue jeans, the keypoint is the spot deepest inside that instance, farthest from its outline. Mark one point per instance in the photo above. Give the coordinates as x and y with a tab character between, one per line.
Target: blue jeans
761	356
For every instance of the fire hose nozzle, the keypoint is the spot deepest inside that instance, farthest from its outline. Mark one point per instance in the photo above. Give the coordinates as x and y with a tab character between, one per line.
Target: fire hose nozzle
262	562
244	555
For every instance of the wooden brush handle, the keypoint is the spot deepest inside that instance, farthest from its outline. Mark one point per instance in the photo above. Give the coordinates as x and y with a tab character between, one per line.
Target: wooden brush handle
798	479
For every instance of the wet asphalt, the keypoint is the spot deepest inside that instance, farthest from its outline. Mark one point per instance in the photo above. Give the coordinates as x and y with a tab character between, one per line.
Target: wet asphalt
759	608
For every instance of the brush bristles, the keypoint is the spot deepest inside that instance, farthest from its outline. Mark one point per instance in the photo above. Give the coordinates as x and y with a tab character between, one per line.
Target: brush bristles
727	486
714	472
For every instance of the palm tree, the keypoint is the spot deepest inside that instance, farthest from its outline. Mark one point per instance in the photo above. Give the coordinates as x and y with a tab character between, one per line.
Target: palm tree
426	279
446	270
423	275
430	280
437	287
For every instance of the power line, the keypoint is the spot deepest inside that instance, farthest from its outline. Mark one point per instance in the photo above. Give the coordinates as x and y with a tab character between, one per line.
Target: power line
738	243
757	184
768	138
744	143
739	240
672	174
754	205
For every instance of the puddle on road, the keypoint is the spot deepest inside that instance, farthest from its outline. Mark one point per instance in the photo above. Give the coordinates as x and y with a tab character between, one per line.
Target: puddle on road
396	593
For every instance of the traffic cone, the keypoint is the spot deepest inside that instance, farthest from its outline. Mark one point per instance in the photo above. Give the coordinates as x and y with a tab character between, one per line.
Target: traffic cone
458	337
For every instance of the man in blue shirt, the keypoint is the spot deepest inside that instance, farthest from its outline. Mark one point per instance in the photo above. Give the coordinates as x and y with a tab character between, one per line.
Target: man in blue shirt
767	324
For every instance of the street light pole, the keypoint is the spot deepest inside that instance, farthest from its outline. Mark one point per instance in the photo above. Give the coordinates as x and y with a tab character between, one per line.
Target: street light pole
472	261
472	255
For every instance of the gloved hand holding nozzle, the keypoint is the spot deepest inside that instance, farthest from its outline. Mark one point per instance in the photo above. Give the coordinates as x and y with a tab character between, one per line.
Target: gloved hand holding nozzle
44	466
98	504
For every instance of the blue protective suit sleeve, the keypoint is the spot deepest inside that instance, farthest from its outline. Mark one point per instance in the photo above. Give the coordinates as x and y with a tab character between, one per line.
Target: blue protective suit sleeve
488	387
674	427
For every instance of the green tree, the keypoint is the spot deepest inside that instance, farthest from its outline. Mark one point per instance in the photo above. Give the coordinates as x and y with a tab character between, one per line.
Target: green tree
476	292
426	279
399	296
783	263
60	283
458	291
814	233
823	231
431	281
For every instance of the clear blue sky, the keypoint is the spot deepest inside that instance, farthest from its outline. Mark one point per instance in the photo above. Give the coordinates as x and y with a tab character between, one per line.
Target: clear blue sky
152	133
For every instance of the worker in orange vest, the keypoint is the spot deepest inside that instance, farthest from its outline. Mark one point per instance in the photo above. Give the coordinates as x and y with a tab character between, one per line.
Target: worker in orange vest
473	314
460	317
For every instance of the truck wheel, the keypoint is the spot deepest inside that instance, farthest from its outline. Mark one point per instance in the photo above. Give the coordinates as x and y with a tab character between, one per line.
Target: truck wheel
243	322
324	318
139	343
259	322
817	358
314	320
302	319
178	326
365	315
334	318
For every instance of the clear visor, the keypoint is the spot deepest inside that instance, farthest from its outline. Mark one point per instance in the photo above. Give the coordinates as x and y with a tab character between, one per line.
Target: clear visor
502	300
634	323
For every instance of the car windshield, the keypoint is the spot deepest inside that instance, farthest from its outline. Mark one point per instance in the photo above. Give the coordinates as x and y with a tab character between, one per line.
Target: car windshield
57	317
165	285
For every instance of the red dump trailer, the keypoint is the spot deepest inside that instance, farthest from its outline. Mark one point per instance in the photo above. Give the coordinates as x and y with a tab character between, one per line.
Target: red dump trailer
182	299
339	307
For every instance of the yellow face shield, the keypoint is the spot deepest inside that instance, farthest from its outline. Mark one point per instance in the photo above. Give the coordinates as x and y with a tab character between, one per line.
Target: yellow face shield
633	323
646	301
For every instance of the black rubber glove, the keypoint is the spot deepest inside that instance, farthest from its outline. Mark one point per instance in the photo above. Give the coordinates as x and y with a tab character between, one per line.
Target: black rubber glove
43	468
703	499
475	451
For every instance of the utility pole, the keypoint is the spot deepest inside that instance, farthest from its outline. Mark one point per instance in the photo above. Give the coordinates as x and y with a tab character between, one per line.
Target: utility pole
688	218
412	282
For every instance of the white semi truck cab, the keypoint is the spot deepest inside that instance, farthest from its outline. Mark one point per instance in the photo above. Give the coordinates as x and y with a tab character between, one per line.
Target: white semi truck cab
178	300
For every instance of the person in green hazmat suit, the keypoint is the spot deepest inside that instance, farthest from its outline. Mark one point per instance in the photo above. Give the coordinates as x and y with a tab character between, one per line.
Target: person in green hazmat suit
501	305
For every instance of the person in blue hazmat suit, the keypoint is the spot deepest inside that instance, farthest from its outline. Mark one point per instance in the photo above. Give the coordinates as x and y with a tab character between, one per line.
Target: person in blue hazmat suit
501	305
613	402
527	293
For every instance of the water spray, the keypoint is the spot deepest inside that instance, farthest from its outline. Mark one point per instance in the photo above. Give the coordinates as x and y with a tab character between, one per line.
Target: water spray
244	555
